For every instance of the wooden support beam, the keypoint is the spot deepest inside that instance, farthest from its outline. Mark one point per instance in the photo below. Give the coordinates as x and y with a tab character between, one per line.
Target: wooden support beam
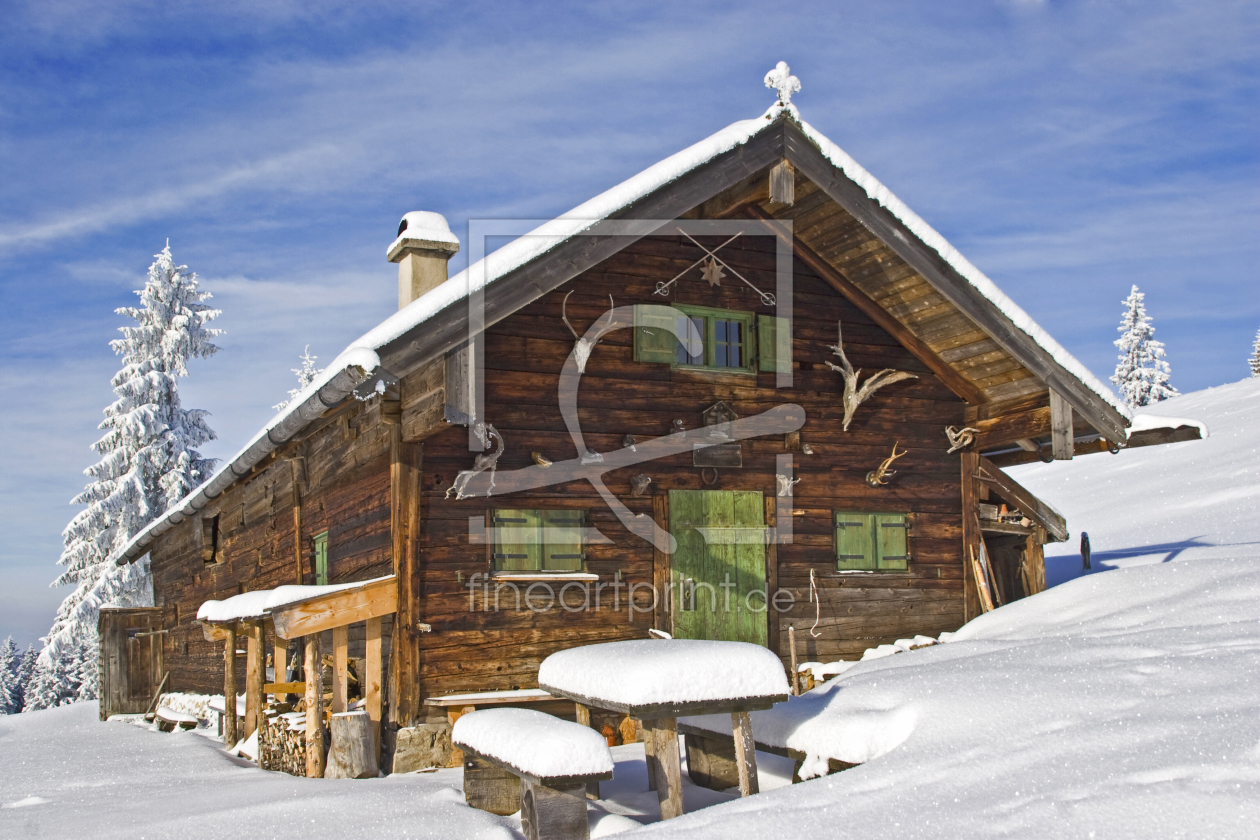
341	665
662	568
373	678
745	753
783	183
1035	558
255	675
956	382
1060	427
314	710
299	556
772	571
970	533
230	733
279	658
1015	493
405	695
337	609
1010	428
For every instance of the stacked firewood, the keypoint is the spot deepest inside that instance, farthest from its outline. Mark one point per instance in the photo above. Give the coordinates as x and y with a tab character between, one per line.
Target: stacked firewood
282	742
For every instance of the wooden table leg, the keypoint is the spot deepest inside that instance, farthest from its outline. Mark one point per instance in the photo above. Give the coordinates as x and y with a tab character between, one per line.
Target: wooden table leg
668	766
649	752
583	715
745	753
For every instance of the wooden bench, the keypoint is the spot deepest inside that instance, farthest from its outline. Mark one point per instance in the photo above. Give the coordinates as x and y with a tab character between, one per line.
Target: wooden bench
527	760
711	761
168	720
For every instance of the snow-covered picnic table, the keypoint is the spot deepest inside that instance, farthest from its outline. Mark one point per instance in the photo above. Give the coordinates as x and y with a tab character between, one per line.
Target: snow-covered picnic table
656	680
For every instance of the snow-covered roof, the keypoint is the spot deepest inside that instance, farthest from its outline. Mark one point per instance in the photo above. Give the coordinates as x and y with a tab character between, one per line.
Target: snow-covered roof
262	601
362	357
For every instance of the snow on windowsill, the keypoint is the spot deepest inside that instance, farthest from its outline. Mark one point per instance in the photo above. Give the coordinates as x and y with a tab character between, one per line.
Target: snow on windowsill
544	576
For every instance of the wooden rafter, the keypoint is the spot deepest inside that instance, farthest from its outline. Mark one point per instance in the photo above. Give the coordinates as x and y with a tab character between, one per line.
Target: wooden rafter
955	288
956	382
1014	493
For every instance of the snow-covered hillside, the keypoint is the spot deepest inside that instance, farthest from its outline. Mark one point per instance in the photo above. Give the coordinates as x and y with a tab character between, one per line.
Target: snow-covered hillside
1123	704
1179	501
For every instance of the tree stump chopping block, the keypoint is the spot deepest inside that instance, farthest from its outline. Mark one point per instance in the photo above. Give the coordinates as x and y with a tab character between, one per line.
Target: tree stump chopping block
353	751
553	813
489	787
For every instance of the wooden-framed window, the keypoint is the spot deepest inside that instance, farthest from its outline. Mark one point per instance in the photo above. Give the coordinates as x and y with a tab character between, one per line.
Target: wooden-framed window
872	541
538	540
711	339
319	546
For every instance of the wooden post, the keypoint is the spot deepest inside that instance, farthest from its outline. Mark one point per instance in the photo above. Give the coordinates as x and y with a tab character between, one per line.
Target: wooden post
298	555
649	753
553	812
372	679
970	533
796	674
341	664
745	753
1035	557
314	710
583	716
279	658
405	469
662	568
1060	427
230	733
664	735
255	675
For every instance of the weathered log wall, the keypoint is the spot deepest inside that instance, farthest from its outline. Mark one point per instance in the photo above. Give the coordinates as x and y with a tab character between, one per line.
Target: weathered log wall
343	476
476	649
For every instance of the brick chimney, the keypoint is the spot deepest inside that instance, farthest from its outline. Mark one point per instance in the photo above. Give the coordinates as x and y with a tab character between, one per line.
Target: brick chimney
423	247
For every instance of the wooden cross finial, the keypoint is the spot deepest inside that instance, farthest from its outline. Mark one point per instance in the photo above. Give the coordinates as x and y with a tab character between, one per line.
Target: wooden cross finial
782	80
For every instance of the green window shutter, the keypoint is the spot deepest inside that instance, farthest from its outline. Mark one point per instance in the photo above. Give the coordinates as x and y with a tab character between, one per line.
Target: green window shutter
654	340
321	559
855	541
517	540
774	343
562	540
892	543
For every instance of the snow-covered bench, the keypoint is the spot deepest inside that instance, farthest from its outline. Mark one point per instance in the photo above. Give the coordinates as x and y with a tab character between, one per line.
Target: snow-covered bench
168	719
549	760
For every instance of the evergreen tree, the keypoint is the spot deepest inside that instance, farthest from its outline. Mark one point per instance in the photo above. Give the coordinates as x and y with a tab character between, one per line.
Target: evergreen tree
10	689
25	672
1141	373
1254	361
305	376
149	461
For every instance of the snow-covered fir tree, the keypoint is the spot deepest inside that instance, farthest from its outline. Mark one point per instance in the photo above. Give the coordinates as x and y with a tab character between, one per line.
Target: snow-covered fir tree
149	461
1254	361
26	671
305	376
1141	373
10	688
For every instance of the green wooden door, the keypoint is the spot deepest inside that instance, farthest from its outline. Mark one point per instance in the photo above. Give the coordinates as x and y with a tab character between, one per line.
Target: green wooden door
719	576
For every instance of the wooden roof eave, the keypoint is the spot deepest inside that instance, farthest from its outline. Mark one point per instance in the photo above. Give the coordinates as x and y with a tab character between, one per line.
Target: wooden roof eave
569	258
955	288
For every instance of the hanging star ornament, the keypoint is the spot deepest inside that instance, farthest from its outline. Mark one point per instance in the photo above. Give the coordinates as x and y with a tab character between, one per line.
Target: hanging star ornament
782	80
712	272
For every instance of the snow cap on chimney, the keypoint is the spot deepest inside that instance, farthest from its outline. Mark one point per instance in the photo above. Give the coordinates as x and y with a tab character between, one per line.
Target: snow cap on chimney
423	247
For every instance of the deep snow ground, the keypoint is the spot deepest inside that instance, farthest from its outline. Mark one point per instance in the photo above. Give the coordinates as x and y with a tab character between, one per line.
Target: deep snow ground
1116	705
1179	501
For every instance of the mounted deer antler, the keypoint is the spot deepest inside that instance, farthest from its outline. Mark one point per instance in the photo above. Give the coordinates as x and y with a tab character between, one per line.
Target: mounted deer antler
878	477
484	461
586	343
960	438
854	396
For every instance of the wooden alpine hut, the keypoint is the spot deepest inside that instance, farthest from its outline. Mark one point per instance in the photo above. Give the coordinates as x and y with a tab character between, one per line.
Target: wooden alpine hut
744	391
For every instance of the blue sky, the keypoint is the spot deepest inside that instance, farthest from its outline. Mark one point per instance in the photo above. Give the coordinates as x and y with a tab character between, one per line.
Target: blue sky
1068	149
